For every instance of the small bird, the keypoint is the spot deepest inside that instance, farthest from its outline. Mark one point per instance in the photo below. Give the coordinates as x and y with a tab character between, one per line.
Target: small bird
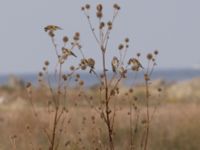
67	52
122	72
91	64
136	65
52	28
115	64
83	64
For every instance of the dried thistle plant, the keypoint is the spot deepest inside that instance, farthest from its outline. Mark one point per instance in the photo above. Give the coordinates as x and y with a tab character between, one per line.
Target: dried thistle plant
56	104
109	87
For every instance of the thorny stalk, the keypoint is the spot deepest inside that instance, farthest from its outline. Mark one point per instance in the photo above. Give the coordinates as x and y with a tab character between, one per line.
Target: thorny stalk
57	94
102	42
147	76
147	114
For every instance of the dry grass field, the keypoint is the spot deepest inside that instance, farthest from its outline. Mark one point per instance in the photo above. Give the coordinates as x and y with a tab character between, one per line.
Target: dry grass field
174	126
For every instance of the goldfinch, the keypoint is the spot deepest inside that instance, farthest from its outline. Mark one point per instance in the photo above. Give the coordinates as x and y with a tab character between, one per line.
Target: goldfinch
67	52
115	64
52	28
136	65
122	72
91	64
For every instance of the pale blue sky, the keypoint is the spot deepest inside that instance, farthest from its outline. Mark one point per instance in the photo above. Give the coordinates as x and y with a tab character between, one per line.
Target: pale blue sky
171	26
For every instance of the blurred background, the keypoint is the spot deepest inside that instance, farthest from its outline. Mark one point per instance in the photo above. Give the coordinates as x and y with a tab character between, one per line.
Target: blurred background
171	27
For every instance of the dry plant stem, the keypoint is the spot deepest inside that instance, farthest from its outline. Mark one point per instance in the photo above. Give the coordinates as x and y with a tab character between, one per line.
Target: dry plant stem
54	130
108	123
147	115
60	135
55	46
107	97
131	128
91	27
103	43
57	116
149	73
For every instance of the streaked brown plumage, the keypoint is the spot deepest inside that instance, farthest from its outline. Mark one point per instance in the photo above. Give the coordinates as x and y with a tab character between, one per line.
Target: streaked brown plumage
67	52
136	65
115	64
52	28
122	72
91	64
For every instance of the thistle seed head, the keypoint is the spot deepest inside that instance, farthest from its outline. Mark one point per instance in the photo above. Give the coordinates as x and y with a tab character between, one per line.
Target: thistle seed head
149	56
87	6
99	7
65	39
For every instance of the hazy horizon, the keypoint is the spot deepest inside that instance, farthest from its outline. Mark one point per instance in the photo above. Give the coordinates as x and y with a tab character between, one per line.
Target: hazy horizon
172	27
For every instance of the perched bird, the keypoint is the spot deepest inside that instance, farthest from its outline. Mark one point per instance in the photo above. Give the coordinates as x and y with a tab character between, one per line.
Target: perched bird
91	64
52	28
115	64
67	52
136	65
83	63
122	72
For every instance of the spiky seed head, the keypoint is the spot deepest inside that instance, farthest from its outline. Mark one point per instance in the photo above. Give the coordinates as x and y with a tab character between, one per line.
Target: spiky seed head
109	25
72	68
101	26
149	56
65	39
116	6
40	74
99	7
64	77
46	63
126	40
99	14
87	6
121	46
76	36
44	68
51	34
82	8
156	52
138	54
